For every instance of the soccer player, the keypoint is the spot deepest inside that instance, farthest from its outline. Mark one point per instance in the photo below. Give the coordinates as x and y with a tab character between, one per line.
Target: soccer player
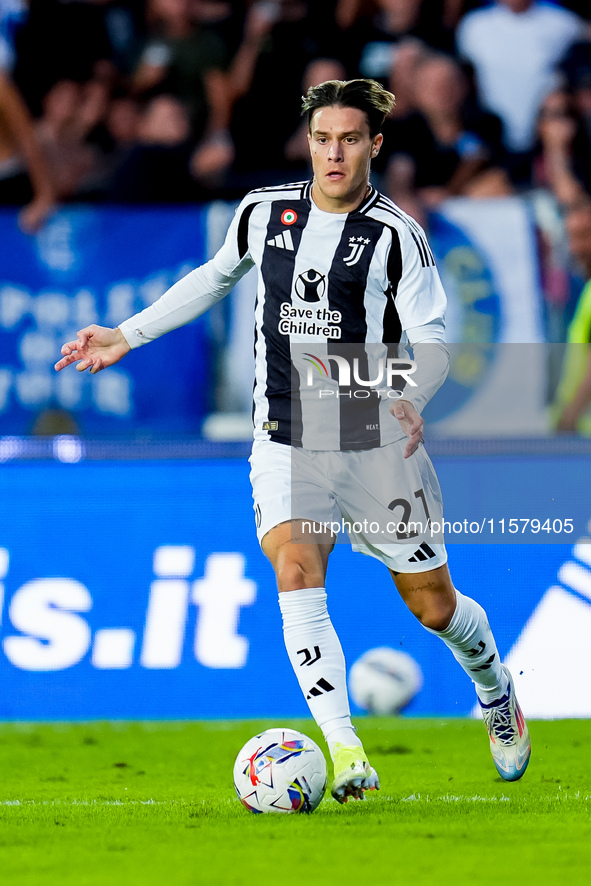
340	267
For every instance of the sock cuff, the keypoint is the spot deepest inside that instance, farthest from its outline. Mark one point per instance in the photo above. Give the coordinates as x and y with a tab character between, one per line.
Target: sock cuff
302	605
301	597
457	619
463	613
330	726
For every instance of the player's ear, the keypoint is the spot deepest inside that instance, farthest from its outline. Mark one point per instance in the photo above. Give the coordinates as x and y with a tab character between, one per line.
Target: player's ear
376	145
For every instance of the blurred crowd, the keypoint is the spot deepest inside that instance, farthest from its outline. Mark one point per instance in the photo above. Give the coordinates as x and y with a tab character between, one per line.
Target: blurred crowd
176	101
151	101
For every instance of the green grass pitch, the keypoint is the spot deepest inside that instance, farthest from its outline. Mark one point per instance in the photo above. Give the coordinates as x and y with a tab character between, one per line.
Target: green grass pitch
153	804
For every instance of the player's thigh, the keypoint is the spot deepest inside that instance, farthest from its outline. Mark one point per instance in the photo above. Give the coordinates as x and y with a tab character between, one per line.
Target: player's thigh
293	505
288	484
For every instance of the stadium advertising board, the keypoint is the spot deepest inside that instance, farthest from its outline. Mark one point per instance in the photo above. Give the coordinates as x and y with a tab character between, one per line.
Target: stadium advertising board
137	590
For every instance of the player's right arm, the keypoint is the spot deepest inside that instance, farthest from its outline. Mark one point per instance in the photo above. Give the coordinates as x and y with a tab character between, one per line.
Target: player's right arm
95	348
98	347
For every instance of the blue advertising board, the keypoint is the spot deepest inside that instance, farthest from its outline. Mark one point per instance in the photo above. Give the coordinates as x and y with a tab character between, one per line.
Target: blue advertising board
100	265
138	590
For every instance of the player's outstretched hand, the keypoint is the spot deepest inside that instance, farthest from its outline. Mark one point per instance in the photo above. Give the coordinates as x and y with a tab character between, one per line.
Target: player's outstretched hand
95	348
411	422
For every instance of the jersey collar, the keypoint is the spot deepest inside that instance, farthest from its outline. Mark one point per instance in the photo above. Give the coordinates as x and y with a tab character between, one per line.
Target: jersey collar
367	202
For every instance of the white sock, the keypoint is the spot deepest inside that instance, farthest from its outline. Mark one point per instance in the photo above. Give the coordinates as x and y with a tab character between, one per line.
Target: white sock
317	658
470	639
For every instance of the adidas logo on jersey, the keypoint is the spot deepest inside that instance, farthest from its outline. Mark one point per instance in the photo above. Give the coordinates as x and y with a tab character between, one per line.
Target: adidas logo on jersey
282	241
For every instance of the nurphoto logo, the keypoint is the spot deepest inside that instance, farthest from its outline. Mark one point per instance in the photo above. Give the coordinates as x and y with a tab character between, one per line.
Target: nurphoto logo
387	369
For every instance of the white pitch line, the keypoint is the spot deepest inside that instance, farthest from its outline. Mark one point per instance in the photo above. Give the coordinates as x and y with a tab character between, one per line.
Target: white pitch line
453	798
180	801
94	802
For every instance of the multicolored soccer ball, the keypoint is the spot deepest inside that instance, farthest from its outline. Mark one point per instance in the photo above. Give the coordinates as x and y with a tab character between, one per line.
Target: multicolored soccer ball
384	680
280	770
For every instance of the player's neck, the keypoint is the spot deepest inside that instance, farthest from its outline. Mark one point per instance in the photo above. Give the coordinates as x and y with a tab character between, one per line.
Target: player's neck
346	203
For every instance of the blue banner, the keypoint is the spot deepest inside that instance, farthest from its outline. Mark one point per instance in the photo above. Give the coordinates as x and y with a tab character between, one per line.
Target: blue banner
138	590
100	265
487	256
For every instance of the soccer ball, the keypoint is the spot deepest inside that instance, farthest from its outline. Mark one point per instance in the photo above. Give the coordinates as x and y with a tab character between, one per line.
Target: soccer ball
280	770
384	680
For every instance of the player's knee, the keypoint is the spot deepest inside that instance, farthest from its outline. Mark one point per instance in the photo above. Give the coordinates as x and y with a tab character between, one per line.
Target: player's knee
294	573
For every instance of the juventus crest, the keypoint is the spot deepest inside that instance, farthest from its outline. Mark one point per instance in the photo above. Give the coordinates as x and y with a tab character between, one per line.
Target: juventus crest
357	245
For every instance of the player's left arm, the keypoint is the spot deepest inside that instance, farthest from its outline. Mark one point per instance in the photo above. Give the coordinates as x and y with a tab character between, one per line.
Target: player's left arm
421	303
432	365
411	423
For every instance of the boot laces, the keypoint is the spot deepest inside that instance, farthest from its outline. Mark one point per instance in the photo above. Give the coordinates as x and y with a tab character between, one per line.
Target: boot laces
499	722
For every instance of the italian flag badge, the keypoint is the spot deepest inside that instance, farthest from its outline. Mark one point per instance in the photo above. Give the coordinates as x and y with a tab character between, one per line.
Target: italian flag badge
288	217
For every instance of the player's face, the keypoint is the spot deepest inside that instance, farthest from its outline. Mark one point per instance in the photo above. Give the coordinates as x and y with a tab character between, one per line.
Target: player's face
341	149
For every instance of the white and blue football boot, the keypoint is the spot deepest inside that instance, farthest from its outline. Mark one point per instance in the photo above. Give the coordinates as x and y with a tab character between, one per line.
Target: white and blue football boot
510	743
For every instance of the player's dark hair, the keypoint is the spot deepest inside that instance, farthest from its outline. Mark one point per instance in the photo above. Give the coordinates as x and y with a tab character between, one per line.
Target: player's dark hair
365	95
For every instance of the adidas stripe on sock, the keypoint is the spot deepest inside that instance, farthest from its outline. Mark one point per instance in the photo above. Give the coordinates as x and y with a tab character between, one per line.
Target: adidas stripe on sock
318	662
471	641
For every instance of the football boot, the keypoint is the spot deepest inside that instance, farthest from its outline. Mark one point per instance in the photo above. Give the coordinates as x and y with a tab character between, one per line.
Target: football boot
510	744
352	773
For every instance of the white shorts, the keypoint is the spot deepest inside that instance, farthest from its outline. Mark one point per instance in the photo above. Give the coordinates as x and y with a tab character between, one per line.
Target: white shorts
388	506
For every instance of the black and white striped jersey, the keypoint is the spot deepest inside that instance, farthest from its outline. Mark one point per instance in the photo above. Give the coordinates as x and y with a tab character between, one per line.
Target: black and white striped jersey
328	283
